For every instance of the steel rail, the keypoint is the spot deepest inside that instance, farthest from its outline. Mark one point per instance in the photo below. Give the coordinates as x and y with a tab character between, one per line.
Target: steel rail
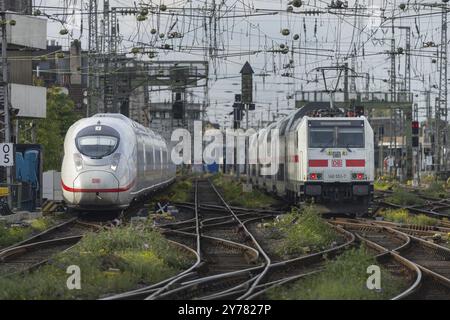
294	263
10	254
397	253
255	242
198	252
144	292
42	234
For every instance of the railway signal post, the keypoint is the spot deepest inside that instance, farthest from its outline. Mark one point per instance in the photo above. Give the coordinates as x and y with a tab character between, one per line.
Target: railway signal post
247	99
6	120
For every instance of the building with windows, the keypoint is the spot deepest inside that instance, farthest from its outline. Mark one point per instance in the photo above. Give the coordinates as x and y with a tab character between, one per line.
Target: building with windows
63	68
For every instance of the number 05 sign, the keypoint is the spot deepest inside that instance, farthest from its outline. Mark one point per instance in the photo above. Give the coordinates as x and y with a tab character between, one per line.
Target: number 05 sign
6	154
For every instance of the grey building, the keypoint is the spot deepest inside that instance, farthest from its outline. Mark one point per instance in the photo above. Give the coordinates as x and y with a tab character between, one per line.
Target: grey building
163	117
63	68
19	6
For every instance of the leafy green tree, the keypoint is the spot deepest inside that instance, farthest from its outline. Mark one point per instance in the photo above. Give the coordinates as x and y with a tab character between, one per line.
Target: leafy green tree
52	130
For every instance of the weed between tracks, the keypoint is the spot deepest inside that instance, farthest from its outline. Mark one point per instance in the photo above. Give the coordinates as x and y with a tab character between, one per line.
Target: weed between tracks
343	278
403	216
436	190
385	183
111	261
302	232
16	233
233	193
179	191
404	198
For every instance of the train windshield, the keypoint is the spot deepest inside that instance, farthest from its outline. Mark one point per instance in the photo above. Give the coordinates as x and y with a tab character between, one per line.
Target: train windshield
350	138
321	137
97	146
336	134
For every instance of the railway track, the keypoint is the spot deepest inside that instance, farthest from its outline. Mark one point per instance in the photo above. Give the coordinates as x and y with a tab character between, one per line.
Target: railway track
229	253
432	260
37	250
433	207
232	262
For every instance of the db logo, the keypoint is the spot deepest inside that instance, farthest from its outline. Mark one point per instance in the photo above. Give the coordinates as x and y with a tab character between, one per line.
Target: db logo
336	163
96	180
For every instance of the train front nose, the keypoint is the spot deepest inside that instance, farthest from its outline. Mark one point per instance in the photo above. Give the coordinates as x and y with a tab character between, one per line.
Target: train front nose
96	189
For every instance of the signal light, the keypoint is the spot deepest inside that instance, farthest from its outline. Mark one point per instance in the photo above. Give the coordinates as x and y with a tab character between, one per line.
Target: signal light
415	141
415	127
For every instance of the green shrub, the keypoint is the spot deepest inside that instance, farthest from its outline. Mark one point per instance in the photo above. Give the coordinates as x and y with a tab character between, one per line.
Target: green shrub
233	193
110	261
13	234
403	216
302	232
343	278
385	183
404	198
436	190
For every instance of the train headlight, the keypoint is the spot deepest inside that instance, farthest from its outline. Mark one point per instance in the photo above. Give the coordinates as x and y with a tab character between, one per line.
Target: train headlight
315	176
359	176
115	161
78	159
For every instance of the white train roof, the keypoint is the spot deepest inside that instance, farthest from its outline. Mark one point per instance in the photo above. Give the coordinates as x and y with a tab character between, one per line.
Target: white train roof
132	123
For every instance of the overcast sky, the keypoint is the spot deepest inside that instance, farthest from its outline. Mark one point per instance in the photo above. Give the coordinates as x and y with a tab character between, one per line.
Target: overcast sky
324	40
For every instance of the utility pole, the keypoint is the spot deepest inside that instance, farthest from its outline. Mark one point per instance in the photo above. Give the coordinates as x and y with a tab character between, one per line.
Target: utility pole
408	60
353	65
247	99
6	123
107	89
441	100
442	103
92	58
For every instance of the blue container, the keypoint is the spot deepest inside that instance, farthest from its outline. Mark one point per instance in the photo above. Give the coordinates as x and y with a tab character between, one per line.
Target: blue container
212	168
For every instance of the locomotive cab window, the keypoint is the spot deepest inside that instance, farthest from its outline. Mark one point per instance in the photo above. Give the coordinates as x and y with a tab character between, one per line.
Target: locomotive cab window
350	137
327	134
97	142
97	146
321	137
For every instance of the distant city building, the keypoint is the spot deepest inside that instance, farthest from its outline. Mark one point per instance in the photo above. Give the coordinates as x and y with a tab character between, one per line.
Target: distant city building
19	6
61	68
164	120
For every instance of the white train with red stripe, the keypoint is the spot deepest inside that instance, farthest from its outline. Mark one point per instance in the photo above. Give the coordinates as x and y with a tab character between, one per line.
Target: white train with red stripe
110	161
328	159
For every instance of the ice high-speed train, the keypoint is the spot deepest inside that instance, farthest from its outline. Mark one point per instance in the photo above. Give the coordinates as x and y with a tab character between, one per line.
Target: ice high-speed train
328	159
110	161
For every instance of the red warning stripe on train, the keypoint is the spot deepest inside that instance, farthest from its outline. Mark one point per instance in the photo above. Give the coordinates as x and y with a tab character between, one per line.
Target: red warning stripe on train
318	163
122	189
355	163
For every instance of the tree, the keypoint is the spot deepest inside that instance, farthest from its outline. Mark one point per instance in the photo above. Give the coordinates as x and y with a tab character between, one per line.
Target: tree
52	130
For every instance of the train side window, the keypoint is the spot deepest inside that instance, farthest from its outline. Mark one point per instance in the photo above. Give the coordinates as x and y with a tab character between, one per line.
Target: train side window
144	154
163	157
148	155
157	157
154	157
